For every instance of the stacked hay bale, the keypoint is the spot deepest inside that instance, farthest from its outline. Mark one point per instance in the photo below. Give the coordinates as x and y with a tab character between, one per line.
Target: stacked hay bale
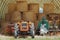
15	9
40	16
26	14
16	16
29	11
29	16
34	7
22	6
21	10
11	7
48	8
4	24
7	17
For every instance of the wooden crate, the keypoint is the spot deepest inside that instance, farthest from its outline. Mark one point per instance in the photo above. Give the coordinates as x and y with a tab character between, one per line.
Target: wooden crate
11	7
40	16
48	8
22	6
29	16
16	16
34	7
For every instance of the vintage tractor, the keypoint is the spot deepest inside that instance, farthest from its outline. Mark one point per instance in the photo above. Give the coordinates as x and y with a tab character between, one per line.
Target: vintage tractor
22	28
43	27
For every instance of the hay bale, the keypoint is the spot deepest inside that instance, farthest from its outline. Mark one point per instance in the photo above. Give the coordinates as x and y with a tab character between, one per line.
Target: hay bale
16	16
29	16
48	8
40	16
7	17
11	7
34	7
22	6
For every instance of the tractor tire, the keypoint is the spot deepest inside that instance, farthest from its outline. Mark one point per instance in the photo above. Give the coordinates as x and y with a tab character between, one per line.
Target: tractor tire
15	35
32	33
32	36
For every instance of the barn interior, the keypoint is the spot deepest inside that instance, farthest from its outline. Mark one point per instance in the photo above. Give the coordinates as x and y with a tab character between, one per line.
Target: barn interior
29	10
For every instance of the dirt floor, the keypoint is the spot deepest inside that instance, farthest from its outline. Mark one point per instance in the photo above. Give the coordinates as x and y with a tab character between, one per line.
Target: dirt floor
2	37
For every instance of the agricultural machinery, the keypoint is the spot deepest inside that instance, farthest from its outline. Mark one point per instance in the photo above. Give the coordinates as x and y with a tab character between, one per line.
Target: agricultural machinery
42	27
21	28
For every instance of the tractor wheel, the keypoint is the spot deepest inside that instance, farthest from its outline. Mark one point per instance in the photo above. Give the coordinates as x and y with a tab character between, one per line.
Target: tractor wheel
32	33
32	36
15	34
